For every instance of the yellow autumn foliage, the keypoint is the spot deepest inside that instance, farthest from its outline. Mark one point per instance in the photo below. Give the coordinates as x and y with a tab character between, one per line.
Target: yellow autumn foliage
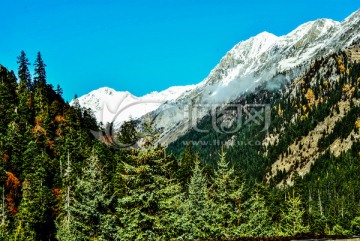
304	117
304	108
342	68
280	111
310	96
346	88
357	124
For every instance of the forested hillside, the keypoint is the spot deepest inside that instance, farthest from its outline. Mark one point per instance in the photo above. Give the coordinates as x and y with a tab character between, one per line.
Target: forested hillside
60	183
311	148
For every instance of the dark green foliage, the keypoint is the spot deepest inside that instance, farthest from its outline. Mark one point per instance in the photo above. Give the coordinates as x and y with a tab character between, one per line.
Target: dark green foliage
355	225
197	210
128	136
23	72
255	217
292	217
33	218
40	73
187	164
148	208
8	98
86	206
227	194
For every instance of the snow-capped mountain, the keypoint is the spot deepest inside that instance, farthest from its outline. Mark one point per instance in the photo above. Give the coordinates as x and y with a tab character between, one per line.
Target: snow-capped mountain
265	58
110	105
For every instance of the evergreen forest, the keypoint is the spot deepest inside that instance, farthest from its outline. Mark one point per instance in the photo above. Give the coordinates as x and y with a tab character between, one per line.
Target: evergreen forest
59	182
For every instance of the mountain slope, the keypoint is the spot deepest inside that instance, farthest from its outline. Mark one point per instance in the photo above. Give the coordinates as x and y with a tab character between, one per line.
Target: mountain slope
315	115
263	58
312	146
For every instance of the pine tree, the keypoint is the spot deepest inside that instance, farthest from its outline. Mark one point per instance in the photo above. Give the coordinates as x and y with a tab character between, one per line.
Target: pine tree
40	73
292	217
128	136
64	220
34	210
24	91
23	72
16	141
227	195
25	107
147	210
186	164
41	90
85	213
198	208
255	218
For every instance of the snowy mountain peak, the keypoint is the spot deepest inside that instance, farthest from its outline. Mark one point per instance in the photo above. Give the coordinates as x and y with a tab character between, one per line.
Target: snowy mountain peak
355	16
253	46
265	36
106	90
310	31
169	94
264	58
110	105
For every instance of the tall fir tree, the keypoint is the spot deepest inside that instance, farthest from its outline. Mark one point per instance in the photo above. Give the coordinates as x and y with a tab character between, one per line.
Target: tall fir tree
197	209
186	163
24	91
85	213
41	90
40	72
255	218
23	72
228	194
292	217
147	210
34	210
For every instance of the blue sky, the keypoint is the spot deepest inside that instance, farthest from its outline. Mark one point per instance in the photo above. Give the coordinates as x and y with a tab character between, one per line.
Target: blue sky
142	46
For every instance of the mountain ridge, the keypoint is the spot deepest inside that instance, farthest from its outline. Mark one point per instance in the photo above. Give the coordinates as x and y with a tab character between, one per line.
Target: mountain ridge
264	58
110	105
251	62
